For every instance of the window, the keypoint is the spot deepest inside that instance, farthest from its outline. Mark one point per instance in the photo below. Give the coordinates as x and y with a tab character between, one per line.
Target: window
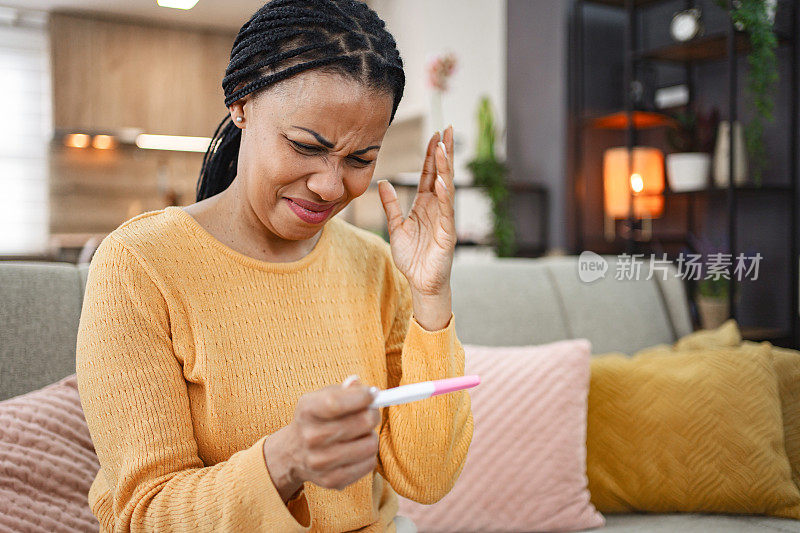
27	127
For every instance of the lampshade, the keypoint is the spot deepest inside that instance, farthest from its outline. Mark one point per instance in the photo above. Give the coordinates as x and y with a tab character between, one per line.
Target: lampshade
644	178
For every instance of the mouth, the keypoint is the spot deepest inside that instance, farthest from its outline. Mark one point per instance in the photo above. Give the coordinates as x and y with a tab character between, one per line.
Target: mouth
311	216
311	206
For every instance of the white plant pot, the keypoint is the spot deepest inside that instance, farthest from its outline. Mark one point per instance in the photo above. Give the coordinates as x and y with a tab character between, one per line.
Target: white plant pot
688	171
713	311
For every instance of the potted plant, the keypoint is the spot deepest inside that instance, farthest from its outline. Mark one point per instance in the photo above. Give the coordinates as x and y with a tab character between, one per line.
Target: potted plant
712	287
712	302
692	138
489	172
756	18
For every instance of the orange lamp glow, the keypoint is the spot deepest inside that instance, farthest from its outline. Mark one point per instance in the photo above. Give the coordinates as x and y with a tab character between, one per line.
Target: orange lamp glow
644	179
103	142
77	140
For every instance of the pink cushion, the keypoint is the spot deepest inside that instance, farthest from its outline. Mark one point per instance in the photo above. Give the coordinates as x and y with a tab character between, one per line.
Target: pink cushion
526	466
47	461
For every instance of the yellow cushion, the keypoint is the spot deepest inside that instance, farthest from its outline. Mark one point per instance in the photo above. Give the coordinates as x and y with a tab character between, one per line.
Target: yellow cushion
726	335
787	368
693	431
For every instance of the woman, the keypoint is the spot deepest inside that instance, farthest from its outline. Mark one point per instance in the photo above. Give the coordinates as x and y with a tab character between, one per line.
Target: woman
218	343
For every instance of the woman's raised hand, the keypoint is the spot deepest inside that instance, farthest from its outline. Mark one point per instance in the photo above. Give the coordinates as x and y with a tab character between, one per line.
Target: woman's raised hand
423	243
331	441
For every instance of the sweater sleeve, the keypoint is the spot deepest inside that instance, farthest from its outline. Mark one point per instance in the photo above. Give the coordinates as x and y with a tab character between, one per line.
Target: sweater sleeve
134	397
423	445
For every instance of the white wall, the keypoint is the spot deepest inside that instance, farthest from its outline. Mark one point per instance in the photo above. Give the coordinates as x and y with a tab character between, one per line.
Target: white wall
475	30
26	108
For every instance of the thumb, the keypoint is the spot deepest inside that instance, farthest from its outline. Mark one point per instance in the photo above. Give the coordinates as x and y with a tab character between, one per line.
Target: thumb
352	378
391	205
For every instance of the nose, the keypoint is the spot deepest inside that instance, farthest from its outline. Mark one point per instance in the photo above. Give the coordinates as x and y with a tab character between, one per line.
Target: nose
327	184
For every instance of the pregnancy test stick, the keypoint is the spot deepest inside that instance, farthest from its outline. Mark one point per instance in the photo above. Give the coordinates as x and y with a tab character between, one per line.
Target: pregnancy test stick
422	390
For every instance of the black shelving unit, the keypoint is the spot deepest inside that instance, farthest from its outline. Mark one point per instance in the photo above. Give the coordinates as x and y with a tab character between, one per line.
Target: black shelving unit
717	46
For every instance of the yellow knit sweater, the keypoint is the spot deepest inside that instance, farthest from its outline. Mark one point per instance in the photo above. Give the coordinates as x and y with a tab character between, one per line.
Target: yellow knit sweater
190	353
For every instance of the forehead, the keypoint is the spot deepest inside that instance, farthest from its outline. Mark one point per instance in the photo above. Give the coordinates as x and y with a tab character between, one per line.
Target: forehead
334	104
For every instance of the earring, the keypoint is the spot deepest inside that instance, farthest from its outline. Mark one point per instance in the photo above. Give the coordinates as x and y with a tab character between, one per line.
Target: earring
239	119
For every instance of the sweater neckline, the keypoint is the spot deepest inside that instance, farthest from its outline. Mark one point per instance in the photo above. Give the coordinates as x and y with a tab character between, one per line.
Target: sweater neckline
322	244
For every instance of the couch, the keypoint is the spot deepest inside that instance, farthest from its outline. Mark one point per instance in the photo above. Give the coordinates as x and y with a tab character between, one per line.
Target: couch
497	301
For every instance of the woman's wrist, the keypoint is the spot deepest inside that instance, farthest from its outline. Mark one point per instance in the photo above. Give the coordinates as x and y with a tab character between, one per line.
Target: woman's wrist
432	312
280	468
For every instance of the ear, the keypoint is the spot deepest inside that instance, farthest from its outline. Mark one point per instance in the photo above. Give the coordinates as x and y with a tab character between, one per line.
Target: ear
236	109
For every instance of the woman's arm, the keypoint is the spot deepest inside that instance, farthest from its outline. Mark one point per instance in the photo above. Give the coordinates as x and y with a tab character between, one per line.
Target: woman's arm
135	400
423	445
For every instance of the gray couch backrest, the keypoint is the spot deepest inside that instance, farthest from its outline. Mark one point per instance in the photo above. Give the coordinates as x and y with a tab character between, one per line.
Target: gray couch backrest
515	301
496	302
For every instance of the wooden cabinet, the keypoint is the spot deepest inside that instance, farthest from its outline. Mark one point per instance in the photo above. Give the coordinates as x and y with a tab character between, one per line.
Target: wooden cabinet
110	74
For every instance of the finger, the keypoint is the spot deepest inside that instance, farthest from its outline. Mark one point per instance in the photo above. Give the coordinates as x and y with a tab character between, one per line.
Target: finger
345	454
391	205
446	210
444	169
448	142
347	428
336	402
429	165
350	473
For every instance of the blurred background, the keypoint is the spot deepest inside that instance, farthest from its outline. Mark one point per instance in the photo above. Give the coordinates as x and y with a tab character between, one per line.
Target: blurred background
600	125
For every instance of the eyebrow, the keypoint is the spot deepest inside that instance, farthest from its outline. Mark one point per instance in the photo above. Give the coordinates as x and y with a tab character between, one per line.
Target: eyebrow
325	142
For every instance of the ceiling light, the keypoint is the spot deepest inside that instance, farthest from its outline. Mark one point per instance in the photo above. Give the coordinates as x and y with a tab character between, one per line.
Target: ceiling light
173	142
178	4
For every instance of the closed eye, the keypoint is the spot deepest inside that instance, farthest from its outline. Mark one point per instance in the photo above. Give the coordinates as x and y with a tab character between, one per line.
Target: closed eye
317	150
306	147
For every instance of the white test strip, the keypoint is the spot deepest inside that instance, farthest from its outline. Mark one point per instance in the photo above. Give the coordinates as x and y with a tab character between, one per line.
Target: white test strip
404	394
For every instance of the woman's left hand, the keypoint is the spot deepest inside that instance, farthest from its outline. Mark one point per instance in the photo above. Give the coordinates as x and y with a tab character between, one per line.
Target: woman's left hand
423	243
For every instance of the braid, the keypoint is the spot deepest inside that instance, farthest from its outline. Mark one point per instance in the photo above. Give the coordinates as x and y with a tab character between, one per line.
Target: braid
285	37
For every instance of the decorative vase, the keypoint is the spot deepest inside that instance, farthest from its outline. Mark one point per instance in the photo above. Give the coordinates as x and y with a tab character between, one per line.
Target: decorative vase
722	155
713	311
688	171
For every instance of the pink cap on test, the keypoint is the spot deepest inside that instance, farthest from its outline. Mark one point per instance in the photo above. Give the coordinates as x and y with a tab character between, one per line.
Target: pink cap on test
442	386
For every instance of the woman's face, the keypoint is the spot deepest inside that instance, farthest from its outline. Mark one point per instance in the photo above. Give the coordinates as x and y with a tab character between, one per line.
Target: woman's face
313	137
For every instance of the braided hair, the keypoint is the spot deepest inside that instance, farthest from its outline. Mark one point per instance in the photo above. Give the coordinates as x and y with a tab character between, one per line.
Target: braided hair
285	37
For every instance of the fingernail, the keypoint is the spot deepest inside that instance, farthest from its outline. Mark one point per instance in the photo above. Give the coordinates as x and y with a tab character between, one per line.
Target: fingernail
374	391
436	134
349	379
389	186
444	150
440	180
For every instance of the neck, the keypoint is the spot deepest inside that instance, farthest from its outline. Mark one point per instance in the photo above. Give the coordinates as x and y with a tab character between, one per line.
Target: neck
243	224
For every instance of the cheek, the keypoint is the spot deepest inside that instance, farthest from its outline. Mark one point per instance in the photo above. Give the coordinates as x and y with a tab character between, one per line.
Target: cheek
276	172
357	183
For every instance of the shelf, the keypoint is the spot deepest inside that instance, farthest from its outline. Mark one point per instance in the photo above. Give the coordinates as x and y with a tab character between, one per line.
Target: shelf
712	47
406	184
741	189
621	3
512	186
745	189
469	242
757	333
